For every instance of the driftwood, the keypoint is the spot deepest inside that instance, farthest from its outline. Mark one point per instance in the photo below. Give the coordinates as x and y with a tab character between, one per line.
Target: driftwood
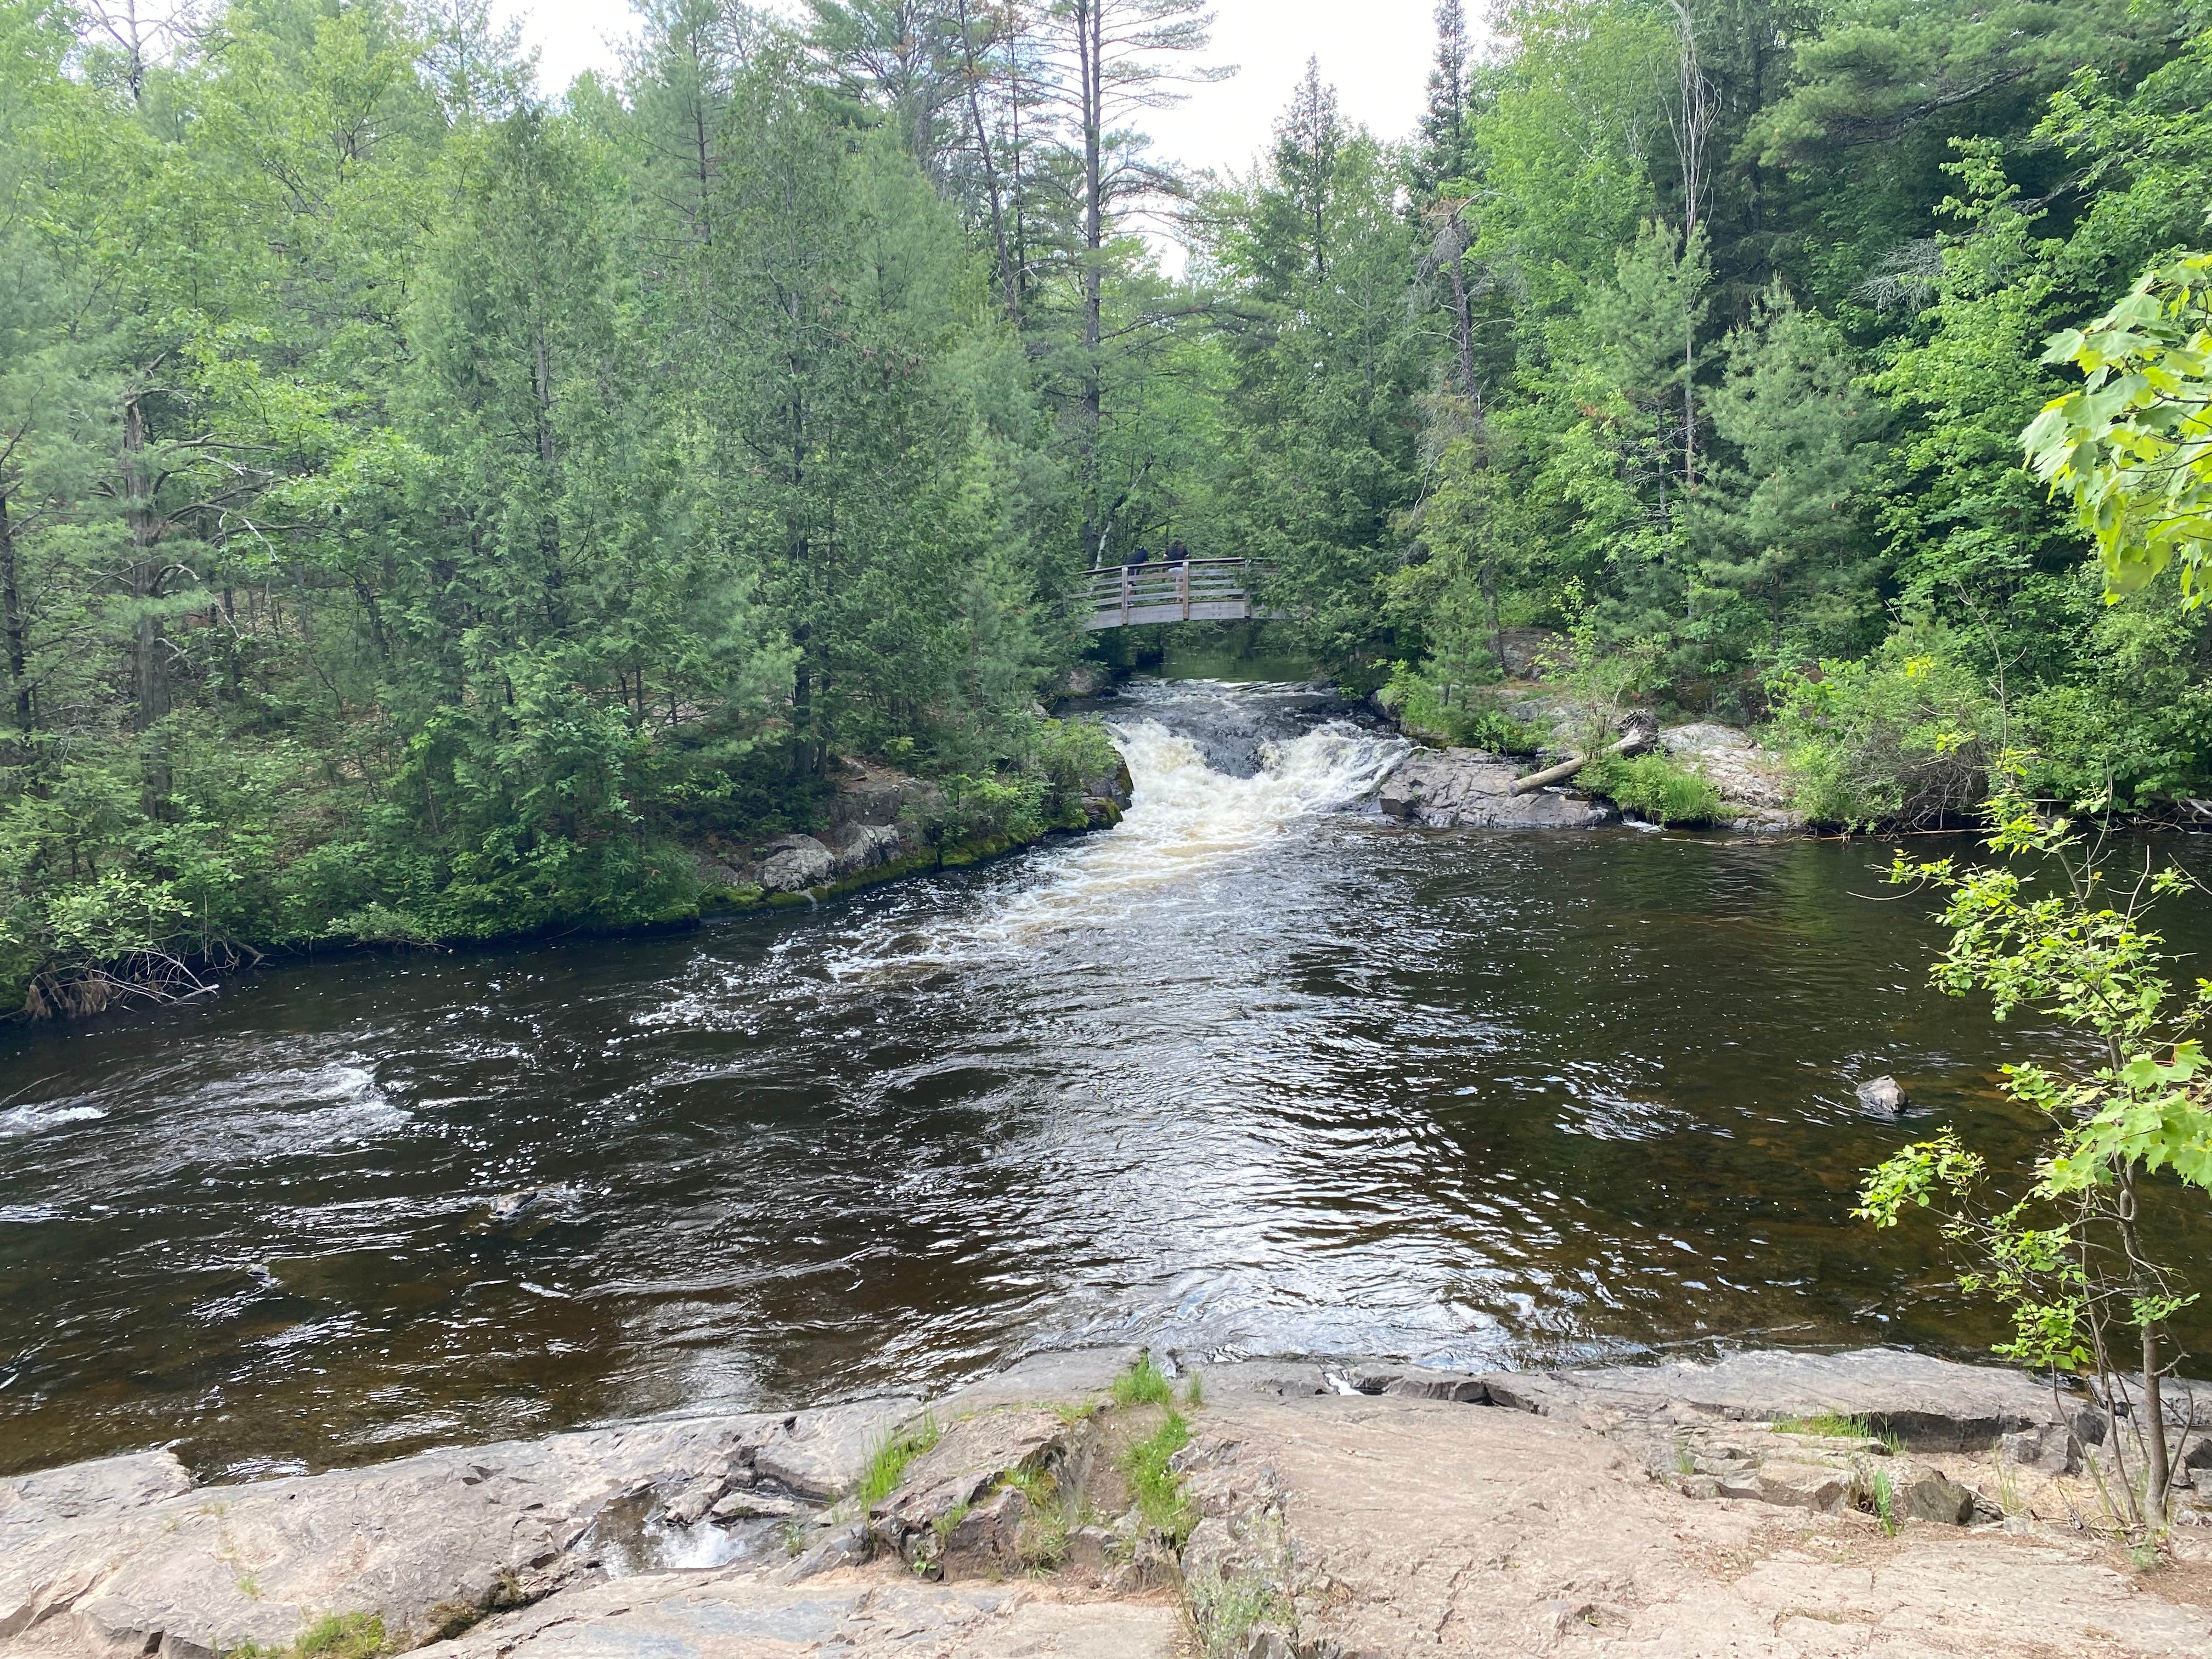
1639	730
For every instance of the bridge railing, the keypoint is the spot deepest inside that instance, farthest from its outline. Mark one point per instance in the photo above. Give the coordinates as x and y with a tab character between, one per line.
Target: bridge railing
1157	590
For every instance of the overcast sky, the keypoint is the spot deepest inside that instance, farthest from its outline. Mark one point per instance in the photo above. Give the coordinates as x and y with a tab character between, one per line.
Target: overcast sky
1374	51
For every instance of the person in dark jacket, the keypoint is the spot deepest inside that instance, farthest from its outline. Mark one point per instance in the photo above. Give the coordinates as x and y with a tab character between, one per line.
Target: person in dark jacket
1177	553
1139	559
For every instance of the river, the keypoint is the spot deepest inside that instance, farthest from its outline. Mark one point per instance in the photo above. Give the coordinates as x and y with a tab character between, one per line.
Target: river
1257	1070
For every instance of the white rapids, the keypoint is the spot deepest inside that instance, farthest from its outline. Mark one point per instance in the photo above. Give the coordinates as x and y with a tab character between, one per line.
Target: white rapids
1186	820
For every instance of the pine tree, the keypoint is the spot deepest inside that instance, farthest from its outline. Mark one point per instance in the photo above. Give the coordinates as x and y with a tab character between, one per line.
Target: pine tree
1442	154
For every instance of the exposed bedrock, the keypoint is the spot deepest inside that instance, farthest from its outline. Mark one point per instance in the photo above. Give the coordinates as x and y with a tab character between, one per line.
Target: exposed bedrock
1770	1504
1466	789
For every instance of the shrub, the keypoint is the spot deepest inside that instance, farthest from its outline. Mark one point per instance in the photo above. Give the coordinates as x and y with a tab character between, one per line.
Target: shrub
1652	788
1424	711
981	806
1904	736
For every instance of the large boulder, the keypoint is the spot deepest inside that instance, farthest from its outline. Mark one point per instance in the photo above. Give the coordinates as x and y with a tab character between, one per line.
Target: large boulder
791	864
878	795
856	848
1530	654
1466	788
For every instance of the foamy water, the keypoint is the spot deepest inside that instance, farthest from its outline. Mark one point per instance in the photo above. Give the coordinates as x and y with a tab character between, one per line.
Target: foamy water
1186	818
30	1120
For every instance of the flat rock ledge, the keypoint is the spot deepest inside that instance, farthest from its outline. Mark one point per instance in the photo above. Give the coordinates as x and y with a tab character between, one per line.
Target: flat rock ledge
1466	789
1770	1503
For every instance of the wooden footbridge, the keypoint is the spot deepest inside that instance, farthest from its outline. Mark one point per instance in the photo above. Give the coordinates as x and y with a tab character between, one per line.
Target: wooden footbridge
1196	590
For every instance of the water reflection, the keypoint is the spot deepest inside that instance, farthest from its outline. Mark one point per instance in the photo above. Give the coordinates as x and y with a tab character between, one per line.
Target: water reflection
1251	1071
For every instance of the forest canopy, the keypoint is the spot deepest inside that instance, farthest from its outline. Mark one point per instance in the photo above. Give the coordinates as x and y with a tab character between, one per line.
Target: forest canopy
433	505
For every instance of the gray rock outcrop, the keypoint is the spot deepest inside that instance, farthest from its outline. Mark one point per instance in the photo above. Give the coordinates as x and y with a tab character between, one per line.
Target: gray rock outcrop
1466	788
959	1486
791	864
1769	1504
1932	1405
847	1614
1756	796
111	1558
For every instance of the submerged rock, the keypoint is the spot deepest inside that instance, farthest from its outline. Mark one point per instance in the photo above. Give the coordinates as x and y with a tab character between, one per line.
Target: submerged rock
1884	1096
522	1204
1466	788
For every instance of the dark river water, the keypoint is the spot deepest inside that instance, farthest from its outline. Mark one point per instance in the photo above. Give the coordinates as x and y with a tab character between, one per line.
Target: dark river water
1257	1070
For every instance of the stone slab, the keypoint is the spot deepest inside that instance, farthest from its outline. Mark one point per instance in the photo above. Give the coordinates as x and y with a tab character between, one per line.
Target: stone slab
851	1614
412	1541
1933	1404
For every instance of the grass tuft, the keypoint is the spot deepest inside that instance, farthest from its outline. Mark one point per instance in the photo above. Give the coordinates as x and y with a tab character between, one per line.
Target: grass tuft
1228	1610
1159	1489
1193	1392
343	1636
1652	788
1833	1426
887	1463
333	1636
1143	1384
1885	1501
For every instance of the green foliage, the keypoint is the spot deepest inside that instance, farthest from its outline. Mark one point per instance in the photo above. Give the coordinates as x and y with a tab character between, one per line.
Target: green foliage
1143	1384
333	1636
2132	447
1160	1499
1464	721
1905	735
1651	786
1834	1426
1227	1608
1881	1491
887	1461
2050	929
428	509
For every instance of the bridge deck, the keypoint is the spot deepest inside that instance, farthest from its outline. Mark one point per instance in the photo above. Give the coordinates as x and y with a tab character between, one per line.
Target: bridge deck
1198	590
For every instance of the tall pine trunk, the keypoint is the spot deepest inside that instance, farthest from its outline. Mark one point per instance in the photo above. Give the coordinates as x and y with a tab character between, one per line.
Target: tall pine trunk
1009	285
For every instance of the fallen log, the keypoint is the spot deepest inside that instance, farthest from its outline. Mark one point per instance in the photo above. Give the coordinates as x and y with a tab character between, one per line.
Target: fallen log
1640	731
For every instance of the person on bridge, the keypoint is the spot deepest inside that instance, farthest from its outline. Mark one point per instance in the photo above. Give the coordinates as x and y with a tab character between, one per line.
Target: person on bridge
1141	558
1177	553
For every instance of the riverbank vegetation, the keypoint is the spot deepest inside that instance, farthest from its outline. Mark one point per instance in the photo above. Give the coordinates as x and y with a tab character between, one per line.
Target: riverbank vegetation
432	503
1717	331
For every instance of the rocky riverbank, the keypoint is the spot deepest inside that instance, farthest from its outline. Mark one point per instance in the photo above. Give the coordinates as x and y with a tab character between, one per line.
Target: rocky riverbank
884	825
1468	788
1078	1504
